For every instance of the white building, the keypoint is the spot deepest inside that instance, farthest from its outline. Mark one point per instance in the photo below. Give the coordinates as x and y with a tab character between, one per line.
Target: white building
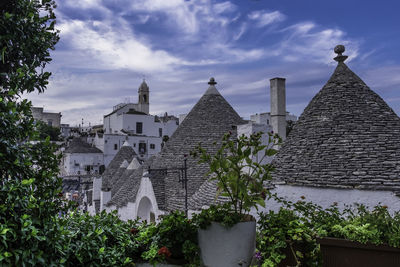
80	158
265	117
132	122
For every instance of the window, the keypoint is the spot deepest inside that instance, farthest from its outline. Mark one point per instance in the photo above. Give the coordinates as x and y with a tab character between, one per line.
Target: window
49	122
152	146
160	132
115	146
139	127
142	148
144	98
134	144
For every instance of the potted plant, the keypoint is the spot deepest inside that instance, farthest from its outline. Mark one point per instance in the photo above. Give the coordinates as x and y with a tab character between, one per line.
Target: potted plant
227	233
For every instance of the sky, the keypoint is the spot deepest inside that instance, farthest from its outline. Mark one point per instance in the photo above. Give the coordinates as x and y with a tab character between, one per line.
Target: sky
107	47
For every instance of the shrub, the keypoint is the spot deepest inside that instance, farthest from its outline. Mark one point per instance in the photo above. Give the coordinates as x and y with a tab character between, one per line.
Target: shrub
297	225
286	234
100	240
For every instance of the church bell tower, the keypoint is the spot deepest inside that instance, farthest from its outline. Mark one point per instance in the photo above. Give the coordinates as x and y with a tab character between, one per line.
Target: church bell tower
144	97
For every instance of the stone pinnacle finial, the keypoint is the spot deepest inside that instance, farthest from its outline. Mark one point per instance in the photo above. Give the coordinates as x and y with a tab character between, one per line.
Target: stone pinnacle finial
212	81
339	49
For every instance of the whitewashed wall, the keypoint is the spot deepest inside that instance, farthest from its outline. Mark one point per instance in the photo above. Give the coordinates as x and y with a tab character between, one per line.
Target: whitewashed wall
110	140
146	191
133	209
325	197
74	162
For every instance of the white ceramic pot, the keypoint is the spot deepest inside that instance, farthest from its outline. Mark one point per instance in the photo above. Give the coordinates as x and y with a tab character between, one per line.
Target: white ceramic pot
227	247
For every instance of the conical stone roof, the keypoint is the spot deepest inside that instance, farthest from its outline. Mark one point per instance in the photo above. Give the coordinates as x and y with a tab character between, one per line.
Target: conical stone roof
128	186
347	137
206	123
126	153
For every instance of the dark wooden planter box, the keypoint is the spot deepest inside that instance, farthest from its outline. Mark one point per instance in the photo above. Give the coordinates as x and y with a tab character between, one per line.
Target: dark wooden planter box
342	253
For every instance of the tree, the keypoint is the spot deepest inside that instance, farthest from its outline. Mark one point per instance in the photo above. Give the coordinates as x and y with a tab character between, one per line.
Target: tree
46	130
29	179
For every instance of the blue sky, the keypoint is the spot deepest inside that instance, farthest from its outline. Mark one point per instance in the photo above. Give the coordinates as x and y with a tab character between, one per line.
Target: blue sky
108	46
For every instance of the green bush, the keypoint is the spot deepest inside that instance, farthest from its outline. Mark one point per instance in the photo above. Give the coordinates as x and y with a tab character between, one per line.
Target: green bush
285	232
297	225
173	238
100	240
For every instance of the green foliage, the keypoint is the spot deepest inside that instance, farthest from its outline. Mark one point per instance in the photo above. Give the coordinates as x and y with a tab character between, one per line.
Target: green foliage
376	226
285	232
217	213
174	232
26	35
238	170
100	240
45	131
29	186
297	225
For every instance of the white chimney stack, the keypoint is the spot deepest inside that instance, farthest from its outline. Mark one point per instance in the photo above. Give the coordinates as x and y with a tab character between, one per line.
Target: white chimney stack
278	106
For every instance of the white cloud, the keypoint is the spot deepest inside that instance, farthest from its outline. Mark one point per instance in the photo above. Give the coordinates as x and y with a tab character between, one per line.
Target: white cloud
307	41
239	32
224	7
84	4
384	77
264	18
106	59
116	47
144	18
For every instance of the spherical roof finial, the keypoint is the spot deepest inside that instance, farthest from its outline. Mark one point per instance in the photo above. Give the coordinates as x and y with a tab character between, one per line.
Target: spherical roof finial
212	81
339	49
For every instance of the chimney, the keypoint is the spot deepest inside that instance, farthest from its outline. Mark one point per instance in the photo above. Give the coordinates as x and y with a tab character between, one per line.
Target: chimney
278	106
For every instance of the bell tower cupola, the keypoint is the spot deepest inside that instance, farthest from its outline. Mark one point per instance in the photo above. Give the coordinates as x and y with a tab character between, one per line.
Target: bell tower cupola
144	97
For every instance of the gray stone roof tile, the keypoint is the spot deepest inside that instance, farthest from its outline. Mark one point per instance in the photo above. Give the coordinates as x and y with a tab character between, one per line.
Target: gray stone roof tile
125	153
206	123
347	137
77	145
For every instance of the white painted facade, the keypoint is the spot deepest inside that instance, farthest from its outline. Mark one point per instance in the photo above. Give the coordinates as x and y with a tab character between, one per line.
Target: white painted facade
251	128
145	206
325	197
144	146
265	117
82	163
97	141
131	122
124	121
144	132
